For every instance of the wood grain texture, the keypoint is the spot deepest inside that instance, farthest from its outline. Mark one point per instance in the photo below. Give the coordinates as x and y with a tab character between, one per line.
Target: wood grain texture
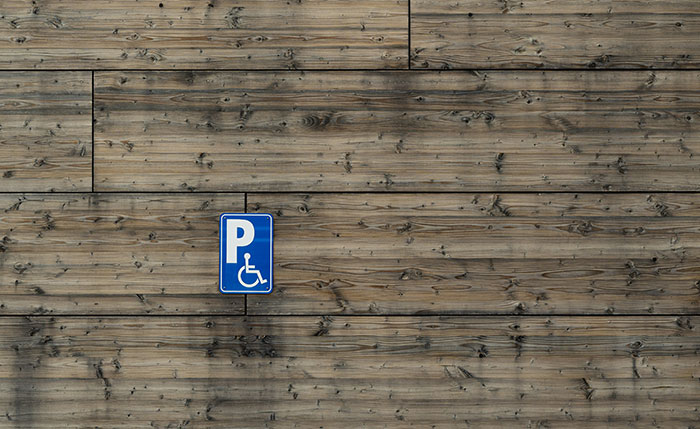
45	131
476	254
586	34
497	246
195	34
336	372
397	131
112	254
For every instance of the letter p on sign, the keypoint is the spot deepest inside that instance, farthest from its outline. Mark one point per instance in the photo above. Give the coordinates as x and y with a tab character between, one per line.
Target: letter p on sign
234	238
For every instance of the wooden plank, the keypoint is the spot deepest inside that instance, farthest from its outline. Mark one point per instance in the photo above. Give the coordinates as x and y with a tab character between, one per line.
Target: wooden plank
363	254
397	131
482	254
183	34
113	254
338	371
45	131
586	34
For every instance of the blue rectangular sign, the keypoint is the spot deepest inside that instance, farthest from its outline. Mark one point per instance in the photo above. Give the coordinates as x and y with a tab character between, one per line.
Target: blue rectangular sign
245	253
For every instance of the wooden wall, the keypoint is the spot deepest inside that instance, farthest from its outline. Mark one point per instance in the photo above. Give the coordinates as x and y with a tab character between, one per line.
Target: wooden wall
486	213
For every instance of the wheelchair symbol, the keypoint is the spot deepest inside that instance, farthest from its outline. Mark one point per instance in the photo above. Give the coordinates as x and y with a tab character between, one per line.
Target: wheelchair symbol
250	269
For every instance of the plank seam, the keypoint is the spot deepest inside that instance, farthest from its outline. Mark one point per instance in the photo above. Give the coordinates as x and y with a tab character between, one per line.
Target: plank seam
409	35
377	192
388	70
474	315
421	315
93	131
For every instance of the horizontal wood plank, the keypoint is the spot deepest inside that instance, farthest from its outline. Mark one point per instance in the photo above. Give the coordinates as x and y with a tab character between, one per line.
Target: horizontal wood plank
45	131
183	34
357	253
482	253
349	371
113	254
586	34
397	131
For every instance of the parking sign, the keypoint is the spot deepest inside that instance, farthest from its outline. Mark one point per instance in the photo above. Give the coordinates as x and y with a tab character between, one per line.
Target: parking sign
245	253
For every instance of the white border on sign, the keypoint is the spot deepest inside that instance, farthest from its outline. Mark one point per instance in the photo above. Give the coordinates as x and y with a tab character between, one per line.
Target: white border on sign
221	247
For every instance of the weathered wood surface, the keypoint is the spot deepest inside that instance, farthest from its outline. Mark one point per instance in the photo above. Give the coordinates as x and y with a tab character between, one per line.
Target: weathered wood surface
588	34
45	131
349	371
397	131
184	34
113	254
421	278
356	253
476	254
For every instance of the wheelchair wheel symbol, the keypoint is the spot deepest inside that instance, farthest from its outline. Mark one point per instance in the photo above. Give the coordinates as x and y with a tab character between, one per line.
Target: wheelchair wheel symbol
250	269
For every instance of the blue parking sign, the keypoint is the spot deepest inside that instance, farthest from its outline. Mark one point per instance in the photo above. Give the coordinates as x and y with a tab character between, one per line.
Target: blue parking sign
245	253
